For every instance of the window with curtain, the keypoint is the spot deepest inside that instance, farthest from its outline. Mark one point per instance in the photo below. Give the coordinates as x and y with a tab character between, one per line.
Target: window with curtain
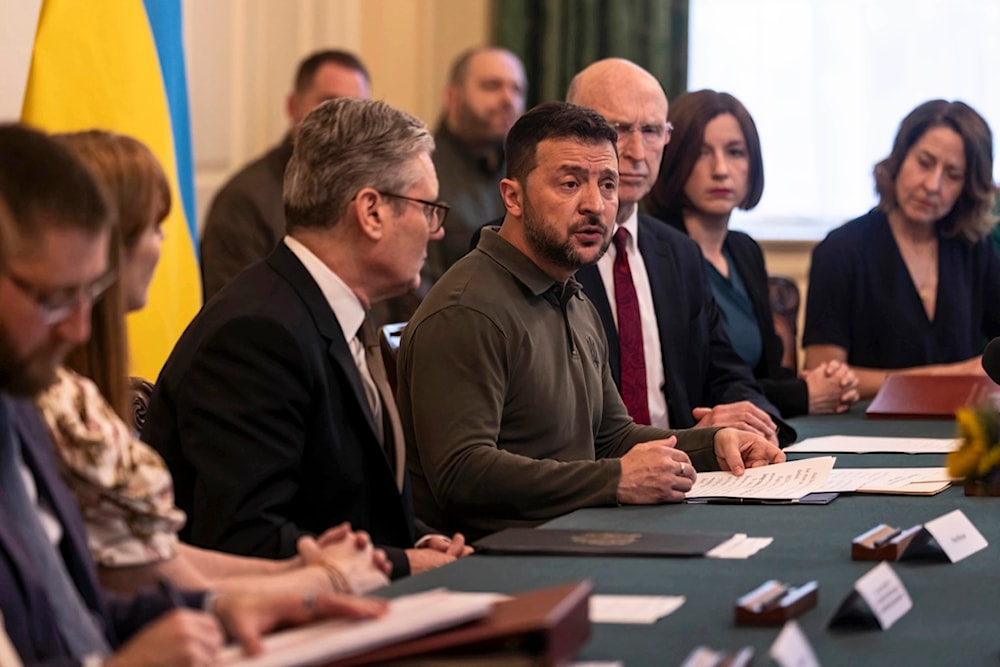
828	82
558	38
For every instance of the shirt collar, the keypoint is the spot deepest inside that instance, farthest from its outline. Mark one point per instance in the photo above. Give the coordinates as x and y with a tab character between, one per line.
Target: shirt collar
631	225
343	302
521	267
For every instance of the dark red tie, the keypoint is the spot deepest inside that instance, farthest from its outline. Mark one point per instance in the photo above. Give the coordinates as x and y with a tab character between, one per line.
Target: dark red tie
630	334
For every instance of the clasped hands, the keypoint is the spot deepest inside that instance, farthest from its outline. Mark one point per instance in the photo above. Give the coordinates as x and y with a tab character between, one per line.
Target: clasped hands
833	388
658	472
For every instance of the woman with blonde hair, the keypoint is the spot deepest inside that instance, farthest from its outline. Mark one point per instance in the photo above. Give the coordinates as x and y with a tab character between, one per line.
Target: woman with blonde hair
123	487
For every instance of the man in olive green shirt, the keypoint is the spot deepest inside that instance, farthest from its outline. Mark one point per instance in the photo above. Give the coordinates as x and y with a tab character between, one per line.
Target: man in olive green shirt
505	393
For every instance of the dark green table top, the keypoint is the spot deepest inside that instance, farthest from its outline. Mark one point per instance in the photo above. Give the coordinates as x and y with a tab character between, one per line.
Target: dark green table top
954	620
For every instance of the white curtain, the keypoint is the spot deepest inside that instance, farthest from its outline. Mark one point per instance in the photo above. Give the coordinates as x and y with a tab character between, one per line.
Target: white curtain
828	81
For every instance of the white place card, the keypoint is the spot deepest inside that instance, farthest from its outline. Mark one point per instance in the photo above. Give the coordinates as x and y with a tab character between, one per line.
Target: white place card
956	535
885	595
792	648
704	656
634	609
740	546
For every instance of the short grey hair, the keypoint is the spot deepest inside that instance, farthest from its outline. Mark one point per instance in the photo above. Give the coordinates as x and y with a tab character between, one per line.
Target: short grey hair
345	145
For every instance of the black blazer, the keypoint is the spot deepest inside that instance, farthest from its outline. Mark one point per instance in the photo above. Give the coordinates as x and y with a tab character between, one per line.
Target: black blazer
261	416
28	617
787	391
699	363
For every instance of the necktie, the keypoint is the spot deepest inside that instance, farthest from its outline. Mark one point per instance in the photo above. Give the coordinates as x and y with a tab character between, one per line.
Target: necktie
77	626
371	390
633	360
395	444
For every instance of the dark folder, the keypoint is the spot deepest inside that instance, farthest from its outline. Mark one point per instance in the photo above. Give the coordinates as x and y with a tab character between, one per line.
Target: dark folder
928	396
599	542
541	627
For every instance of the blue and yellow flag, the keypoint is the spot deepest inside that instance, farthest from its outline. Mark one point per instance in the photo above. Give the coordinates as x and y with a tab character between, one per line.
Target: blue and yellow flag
119	65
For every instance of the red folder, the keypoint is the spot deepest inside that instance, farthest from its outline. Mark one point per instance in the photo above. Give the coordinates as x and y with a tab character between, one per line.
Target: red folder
541	627
928	396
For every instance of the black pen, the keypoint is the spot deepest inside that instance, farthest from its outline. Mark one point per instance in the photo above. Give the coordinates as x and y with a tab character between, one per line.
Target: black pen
172	595
885	539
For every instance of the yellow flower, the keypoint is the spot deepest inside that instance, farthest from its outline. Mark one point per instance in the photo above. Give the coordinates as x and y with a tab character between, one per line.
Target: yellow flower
971	455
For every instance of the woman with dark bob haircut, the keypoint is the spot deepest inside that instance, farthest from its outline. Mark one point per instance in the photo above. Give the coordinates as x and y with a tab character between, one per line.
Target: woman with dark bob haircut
712	167
913	286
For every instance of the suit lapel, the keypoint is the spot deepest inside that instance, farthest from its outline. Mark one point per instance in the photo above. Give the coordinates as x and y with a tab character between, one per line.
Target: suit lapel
661	267
288	266
589	278
38	455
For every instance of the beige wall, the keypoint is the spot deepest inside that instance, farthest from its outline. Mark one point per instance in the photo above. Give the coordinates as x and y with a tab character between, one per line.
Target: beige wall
242	56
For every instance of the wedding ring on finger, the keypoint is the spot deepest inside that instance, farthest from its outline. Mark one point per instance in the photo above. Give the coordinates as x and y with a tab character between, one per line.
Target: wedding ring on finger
682	469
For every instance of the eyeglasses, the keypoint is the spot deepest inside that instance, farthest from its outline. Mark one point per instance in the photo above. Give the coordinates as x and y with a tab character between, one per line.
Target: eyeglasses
57	305
435	211
651	134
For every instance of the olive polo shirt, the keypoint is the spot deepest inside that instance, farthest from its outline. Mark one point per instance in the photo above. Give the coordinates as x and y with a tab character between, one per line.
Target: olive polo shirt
507	400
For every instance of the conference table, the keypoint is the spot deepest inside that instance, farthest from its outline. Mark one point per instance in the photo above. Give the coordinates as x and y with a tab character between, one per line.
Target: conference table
955	618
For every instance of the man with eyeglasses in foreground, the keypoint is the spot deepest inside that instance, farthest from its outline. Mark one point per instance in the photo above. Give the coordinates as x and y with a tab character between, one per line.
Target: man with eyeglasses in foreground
273	411
670	355
54	239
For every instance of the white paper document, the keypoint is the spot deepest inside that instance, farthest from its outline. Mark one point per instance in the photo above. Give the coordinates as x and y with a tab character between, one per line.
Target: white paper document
919	481
408	617
740	546
855	444
781	481
635	609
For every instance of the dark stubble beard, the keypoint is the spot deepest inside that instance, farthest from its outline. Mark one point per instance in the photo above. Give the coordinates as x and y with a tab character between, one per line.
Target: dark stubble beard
561	252
19	377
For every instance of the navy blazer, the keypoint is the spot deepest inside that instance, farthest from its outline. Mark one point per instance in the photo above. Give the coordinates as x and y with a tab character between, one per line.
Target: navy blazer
700	365
262	419
27	614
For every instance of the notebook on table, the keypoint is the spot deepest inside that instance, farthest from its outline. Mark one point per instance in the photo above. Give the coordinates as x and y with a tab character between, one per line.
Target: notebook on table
599	542
928	396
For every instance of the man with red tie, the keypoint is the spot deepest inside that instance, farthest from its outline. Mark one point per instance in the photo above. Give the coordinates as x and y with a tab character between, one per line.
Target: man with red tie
505	393
669	352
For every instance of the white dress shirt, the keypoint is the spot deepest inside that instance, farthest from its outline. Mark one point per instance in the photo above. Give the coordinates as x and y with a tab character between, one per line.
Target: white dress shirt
655	378
350	315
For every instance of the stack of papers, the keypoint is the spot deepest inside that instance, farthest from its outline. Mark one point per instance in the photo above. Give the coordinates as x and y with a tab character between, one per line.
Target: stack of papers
901	481
852	444
781	481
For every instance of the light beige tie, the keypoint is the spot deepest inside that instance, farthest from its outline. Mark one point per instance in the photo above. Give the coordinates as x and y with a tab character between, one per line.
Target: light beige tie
376	367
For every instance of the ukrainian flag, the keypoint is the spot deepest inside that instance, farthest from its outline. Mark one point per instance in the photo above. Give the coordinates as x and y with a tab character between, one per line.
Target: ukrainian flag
119	65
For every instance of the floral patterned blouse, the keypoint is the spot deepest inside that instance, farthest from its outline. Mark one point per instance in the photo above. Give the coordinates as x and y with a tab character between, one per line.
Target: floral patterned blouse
123	487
